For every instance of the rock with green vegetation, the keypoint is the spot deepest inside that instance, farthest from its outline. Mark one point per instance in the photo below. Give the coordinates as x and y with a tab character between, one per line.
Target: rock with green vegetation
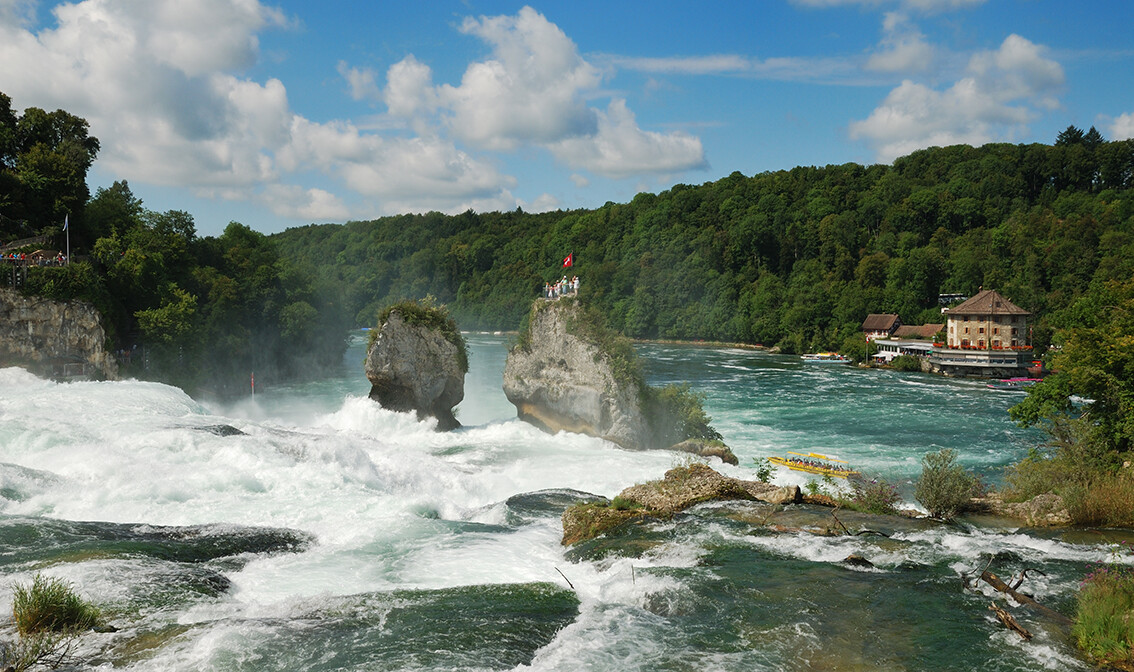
681	488
417	361
568	372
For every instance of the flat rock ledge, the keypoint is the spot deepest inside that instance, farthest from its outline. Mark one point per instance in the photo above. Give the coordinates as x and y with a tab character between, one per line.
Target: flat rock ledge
1040	511
681	488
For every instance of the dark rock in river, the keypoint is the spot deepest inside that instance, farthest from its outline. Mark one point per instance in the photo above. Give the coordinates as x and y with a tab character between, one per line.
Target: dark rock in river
414	368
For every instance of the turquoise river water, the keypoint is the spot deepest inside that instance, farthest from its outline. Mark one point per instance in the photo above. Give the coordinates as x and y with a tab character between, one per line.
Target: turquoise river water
309	529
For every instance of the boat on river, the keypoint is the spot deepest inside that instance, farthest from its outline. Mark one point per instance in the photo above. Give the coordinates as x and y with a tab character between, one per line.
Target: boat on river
814	463
824	357
1010	384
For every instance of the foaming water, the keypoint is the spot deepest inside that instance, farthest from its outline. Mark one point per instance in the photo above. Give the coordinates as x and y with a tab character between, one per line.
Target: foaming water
364	539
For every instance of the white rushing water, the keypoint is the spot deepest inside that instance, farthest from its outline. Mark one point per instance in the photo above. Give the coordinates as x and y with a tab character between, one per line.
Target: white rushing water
393	505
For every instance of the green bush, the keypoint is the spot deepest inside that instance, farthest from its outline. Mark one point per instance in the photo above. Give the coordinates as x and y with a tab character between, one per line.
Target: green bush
945	487
676	413
51	605
764	469
1102	626
905	363
873	495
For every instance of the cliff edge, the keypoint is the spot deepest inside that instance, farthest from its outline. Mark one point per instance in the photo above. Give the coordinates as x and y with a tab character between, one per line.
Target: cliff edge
57	338
417	362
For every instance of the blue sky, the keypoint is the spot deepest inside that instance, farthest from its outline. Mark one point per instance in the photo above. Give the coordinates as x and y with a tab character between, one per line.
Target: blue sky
282	114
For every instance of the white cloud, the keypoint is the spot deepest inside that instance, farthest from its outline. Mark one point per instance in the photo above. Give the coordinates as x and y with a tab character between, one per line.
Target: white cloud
17	12
163	86
295	202
621	149
542	203
993	101
409	89
580	181
780	68
1123	127
529	92
362	82
904	48
532	92
158	81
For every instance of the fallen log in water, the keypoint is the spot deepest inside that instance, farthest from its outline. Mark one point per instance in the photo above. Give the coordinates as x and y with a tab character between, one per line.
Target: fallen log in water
1009	622
994	581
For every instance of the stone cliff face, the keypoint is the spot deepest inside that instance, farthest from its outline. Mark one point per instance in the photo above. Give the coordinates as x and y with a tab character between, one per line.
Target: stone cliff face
559	381
412	367
61	338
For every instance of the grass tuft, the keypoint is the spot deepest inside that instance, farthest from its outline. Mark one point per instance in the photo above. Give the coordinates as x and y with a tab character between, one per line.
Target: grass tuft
51	605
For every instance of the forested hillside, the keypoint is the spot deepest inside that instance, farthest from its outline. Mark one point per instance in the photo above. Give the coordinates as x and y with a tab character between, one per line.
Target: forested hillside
795	258
200	312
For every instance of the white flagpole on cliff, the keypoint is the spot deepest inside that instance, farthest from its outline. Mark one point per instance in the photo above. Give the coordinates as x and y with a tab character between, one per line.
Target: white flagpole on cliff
67	229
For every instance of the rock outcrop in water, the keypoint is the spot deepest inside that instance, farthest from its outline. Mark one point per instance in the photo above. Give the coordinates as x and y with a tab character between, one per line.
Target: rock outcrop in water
681	488
568	373
559	381
59	338
417	362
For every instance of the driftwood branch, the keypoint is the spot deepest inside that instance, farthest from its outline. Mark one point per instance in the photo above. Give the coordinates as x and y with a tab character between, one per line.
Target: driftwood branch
566	579
848	532
1009	622
1024	575
860	532
994	581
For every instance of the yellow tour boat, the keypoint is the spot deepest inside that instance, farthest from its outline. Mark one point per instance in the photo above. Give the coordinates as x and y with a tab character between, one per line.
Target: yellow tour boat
814	463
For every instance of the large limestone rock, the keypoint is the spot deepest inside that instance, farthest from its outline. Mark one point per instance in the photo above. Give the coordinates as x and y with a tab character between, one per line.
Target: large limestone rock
413	367
561	382
61	338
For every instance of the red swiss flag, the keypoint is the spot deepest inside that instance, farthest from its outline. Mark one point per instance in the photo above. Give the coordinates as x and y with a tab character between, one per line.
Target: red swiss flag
569	261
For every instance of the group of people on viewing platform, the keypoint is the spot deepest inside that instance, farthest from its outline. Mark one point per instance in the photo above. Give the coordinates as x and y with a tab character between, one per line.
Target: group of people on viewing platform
23	259
563	287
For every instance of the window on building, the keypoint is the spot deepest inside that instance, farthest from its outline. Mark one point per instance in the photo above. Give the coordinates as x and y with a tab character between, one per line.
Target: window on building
1014	343
966	330
996	330
980	343
1014	331
982	330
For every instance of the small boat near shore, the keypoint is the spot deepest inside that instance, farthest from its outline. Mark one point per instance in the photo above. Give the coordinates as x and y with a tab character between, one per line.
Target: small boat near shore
814	463
1012	384
824	357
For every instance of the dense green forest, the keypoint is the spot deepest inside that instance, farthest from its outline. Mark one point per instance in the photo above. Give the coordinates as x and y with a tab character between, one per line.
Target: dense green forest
200	312
795	258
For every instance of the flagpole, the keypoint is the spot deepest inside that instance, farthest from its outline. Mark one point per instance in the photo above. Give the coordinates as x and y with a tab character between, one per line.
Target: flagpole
67	230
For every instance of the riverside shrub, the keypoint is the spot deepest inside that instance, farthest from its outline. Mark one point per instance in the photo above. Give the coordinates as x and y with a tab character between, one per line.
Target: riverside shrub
945	487
1102	626
873	495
